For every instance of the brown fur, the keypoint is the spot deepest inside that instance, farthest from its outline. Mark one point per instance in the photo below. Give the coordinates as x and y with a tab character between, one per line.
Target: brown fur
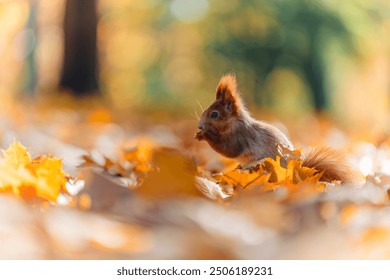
227	92
235	134
332	163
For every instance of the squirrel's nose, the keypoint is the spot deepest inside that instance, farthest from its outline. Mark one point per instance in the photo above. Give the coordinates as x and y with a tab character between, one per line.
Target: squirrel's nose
200	126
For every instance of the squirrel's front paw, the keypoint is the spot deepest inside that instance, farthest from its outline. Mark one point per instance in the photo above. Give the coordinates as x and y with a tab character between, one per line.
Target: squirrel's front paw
199	135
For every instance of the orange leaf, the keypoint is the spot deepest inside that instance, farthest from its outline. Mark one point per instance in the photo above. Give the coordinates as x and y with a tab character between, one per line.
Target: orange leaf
278	173
174	175
140	153
243	178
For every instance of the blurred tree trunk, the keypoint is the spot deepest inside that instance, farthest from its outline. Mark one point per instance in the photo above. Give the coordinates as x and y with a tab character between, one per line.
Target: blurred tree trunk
80	65
315	77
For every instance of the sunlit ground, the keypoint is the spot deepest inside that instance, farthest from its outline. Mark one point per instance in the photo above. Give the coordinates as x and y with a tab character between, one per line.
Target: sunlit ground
120	176
101	219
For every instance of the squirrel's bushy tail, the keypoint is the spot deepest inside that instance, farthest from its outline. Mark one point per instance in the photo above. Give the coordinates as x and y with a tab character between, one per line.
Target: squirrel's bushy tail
333	164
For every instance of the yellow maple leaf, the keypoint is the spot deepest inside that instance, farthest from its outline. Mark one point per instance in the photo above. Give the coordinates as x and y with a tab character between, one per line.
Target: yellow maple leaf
41	177
278	172
294	172
16	155
12	178
50	177
274	173
243	178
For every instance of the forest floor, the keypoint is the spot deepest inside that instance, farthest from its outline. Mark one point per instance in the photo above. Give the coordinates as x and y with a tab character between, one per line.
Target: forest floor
137	188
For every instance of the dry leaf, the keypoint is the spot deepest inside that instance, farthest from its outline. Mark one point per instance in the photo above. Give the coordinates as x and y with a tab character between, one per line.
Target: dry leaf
51	180
40	178
272	174
243	178
210	189
278	173
174	175
140	153
16	155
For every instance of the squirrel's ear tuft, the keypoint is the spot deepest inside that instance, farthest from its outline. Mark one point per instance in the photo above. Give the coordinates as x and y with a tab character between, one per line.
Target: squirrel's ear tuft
227	87
227	92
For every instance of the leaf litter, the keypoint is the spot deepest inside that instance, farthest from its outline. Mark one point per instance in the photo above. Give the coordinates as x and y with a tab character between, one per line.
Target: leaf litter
146	196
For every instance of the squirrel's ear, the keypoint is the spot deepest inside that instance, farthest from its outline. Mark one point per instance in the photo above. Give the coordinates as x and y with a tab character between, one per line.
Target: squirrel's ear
227	92
227	87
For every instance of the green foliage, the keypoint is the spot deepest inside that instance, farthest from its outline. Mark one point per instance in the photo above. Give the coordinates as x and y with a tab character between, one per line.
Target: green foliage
261	36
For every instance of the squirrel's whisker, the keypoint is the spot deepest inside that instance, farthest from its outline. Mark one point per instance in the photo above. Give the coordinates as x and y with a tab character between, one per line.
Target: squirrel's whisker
200	105
196	113
195	117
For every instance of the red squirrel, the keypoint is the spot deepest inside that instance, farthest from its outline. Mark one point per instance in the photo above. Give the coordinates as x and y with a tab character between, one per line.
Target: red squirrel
231	131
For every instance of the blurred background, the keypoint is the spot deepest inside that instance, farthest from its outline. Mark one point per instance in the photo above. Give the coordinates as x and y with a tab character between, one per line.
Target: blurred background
113	78
291	58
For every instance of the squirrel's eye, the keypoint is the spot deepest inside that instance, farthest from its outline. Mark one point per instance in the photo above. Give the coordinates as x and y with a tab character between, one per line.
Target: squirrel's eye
214	114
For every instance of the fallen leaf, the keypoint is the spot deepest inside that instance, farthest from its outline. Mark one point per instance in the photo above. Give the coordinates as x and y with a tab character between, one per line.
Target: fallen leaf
51	180
210	189
140	153
39	178
243	178
16	155
174	175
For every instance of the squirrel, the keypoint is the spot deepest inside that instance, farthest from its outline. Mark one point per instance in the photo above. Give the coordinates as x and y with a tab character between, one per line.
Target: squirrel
230	130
